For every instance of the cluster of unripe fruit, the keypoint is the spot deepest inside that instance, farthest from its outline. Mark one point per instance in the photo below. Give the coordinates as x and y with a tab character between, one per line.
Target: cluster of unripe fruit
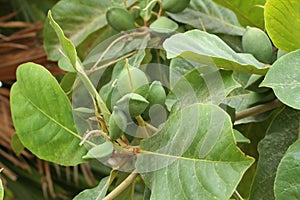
132	96
122	20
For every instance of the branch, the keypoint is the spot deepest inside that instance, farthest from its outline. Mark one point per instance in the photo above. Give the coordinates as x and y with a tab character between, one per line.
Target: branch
113	194
258	109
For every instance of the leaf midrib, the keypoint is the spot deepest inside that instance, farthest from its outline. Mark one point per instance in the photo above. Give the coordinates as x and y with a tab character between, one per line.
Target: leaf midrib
145	152
52	119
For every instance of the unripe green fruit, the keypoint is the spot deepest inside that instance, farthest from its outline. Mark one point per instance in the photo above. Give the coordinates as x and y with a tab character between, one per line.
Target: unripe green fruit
256	42
175	6
119	19
157	94
117	123
133	104
164	25
136	82
109	96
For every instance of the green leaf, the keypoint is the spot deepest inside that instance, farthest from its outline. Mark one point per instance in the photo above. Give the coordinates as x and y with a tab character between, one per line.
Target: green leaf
284	78
179	67
16	144
239	137
146	12
288	174
64	64
241	99
164	25
97	193
67	83
70	50
66	44
127	193
254	82
202	85
115	47
78	19
193	153
249	13
94	39
255	132
42	116
282	132
280	17
209	49
100	151
206	15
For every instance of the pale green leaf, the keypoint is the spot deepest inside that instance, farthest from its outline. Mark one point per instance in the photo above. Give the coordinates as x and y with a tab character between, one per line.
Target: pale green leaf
103	150
239	137
42	116
71	54
78	19
146	12
64	64
282	23
242	99
284	78
115	47
193	156
206	15
202	85
66	43
209	49
287	182
249	13
95	38
282	132
179	67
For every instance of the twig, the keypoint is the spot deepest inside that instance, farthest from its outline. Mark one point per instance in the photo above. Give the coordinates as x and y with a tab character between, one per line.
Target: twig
120	188
142	124
89	133
115	42
151	127
160	8
238	195
109	63
258	109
